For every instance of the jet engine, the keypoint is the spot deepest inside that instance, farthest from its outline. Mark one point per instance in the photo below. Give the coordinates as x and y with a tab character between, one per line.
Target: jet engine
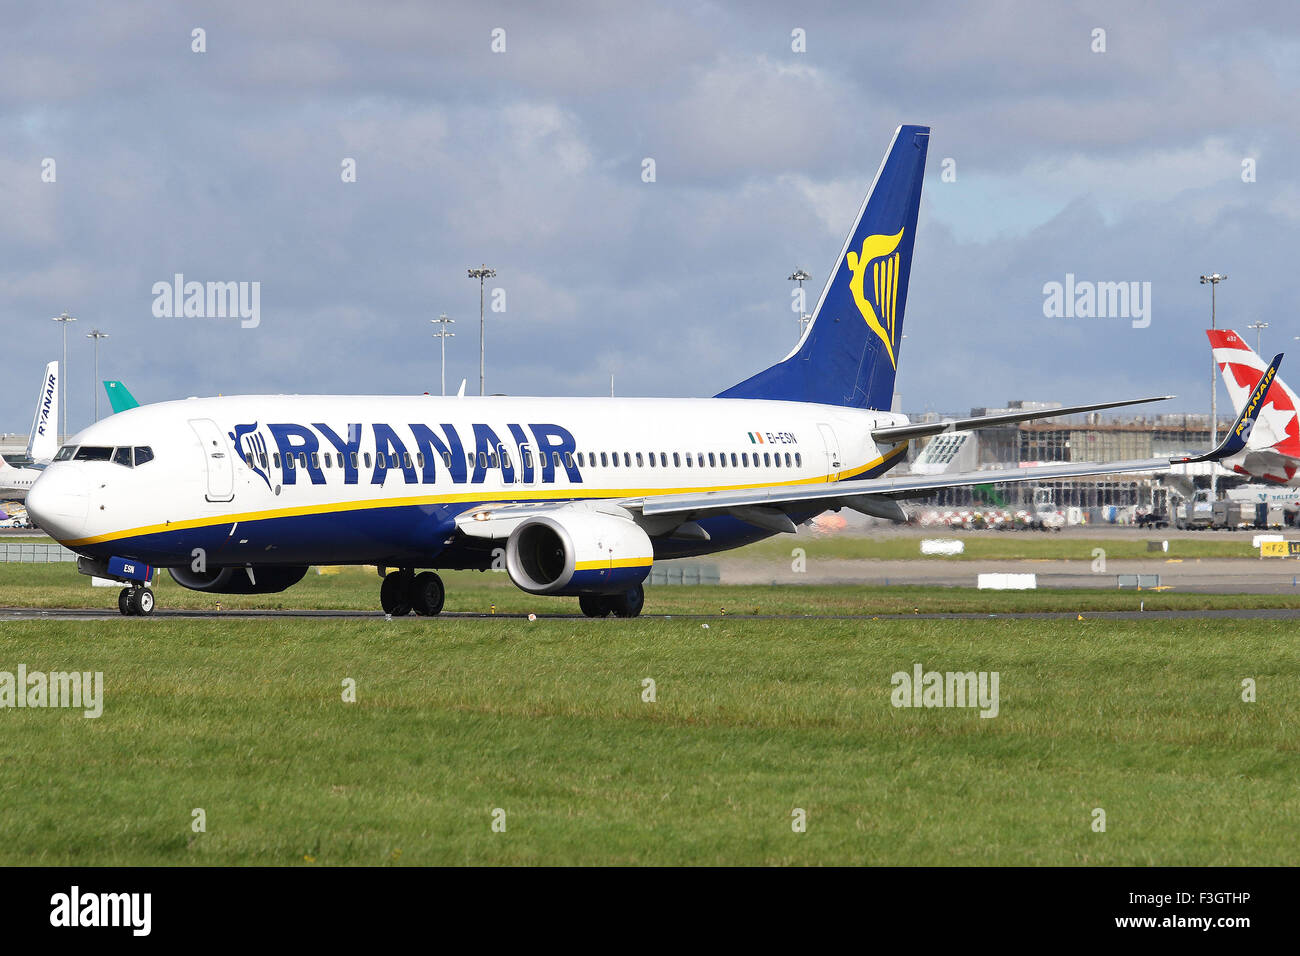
257	579
578	552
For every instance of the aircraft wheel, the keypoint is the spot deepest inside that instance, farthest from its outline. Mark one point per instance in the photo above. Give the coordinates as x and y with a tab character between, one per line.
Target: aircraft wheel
593	605
141	601
124	601
393	595
627	604
427	594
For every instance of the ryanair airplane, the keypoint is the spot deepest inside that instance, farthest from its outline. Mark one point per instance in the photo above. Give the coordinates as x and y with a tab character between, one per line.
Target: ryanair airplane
574	496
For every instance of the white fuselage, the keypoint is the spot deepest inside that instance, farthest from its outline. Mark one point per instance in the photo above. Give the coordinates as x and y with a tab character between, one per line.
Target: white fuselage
378	479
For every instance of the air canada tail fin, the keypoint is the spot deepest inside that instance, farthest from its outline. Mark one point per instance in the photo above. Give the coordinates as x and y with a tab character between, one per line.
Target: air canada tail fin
43	441
119	397
849	353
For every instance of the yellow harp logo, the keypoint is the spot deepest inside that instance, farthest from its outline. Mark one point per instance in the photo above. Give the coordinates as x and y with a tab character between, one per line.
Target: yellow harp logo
880	257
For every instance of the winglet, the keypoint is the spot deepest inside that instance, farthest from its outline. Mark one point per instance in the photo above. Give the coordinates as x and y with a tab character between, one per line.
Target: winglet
1237	436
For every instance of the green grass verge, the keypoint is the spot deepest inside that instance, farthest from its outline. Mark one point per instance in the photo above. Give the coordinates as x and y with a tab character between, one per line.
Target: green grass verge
59	585
1000	546
753	719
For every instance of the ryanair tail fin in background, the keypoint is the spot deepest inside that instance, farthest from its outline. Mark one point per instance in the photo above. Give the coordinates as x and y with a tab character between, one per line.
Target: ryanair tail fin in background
43	440
849	353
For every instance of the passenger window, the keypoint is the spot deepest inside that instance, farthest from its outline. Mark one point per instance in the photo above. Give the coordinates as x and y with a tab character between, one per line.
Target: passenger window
663	458
798	460
767	460
568	459
787	459
482	459
744	459
315	460
406	459
122	456
613	457
446	458
366	457
733	459
604	460
528	459
688	459
640	462
353	456
66	453
247	458
275	457
677	460
290	462
419	459
329	462
580	460
713	461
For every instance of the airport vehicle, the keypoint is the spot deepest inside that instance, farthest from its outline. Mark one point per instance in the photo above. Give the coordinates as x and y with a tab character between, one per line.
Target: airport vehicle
572	496
1272	453
1195	512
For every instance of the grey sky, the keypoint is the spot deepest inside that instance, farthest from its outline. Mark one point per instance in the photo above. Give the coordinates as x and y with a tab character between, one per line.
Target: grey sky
225	166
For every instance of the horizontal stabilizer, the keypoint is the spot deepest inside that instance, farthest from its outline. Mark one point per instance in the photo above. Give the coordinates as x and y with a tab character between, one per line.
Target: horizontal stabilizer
896	433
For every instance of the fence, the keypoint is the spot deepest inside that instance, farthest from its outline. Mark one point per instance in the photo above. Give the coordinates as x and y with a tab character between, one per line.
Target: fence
35	553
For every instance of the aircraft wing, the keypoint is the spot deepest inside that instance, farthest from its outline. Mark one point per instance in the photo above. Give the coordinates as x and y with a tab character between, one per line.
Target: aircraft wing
895	433
768	507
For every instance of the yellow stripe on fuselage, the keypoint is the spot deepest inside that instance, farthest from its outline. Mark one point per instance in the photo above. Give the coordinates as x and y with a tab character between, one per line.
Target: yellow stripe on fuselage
550	494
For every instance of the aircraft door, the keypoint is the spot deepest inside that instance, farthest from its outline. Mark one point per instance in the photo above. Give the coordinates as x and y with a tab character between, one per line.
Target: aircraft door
832	450
216	455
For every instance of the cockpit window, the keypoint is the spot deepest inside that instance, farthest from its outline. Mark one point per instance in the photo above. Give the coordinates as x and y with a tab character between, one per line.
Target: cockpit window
66	453
143	453
122	456
93	453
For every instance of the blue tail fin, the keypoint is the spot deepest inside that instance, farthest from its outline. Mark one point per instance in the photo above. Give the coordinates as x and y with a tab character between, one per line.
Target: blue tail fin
849	353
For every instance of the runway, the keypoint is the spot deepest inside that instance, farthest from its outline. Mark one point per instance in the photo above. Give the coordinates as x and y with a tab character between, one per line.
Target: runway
94	614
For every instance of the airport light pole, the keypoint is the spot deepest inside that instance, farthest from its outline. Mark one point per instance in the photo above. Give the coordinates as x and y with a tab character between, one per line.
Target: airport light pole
481	273
63	371
1259	331
94	384
798	276
1213	280
442	322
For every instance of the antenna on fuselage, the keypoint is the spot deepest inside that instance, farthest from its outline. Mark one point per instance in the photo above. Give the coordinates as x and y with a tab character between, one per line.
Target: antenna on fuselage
460	392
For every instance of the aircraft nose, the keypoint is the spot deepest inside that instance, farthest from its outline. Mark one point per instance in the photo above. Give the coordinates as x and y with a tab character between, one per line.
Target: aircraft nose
58	502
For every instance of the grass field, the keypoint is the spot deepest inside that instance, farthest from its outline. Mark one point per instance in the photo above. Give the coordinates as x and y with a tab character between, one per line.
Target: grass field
1000	546
59	585
753	718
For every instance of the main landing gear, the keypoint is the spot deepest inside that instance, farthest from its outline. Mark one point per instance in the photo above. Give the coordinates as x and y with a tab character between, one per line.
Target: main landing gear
404	591
622	604
135	600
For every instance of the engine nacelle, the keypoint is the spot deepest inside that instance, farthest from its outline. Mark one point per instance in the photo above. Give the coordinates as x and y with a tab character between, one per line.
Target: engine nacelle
579	552
259	579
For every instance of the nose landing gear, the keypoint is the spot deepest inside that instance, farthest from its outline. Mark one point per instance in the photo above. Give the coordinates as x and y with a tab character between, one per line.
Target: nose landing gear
135	601
404	591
